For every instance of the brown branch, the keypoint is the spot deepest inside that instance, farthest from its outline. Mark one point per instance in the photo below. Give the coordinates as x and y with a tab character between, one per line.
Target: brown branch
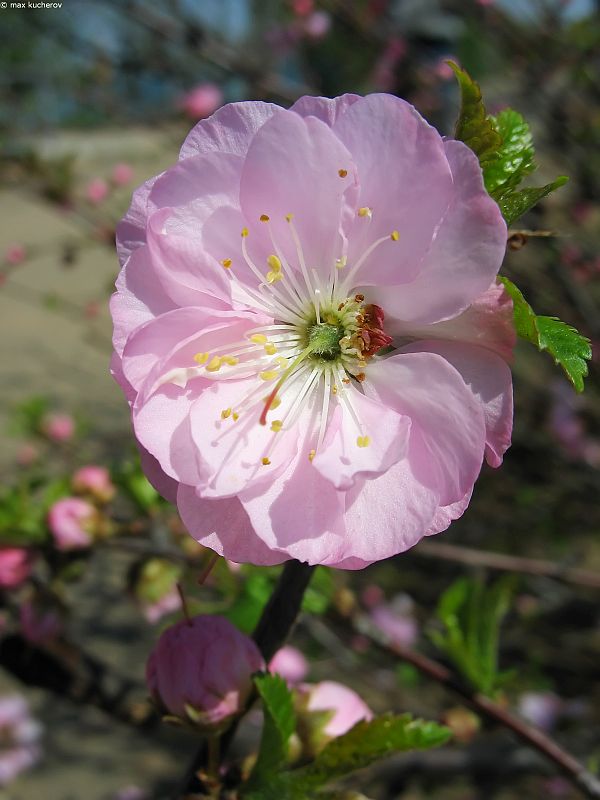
501	561
573	769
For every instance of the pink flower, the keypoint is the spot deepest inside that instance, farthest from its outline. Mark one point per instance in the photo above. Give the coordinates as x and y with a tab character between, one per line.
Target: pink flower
38	625
302	8
290	664
201	670
317	25
70	521
122	174
348	708
396	621
15	566
97	191
169	602
540	708
27	454
309	332
58	427
202	101
15	254
95	481
19	738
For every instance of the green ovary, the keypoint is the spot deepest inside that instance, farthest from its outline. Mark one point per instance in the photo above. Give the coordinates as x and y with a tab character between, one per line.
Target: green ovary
324	340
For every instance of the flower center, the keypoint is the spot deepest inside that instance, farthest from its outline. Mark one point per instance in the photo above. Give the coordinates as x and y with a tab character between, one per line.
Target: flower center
324	340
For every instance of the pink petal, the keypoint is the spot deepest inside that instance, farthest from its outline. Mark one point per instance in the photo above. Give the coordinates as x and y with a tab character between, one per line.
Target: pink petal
445	515
404	177
164	485
131	230
490	380
447	436
224	526
341	460
327	109
278	180
465	255
229	130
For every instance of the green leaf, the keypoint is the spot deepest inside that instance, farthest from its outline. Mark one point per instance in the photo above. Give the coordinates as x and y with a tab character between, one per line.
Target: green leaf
473	126
514	204
319	592
279	724
514	158
569	349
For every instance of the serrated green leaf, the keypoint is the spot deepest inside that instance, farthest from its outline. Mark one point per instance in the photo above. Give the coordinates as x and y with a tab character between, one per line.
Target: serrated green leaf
279	724
569	349
514	204
473	126
514	158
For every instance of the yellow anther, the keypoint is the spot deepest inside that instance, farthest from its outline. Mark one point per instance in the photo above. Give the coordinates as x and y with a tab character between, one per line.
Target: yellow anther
264	218
340	263
275	403
201	358
214	365
226	263
363	441
273	277
270	349
266	461
225	413
394	236
231	360
244	233
365	211
268	374
274	263
312	454
334	389
235	416
342	173
289	217
276	425
282	361
258	338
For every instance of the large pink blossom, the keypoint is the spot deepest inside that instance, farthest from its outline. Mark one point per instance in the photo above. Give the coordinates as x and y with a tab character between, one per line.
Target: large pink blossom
309	332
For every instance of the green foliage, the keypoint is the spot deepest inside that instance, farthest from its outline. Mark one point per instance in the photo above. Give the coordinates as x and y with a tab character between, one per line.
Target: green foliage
247	607
569	349
135	484
279	724
23	511
319	592
471	615
26	419
504	147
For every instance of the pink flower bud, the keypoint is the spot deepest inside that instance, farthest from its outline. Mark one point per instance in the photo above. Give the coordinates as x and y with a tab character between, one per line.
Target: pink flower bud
302	8
201	671
540	708
202	101
38	625
396	621
290	664
95	481
58	427
15	566
317	25
15	254
27	454
348	708
97	191
19	735
70	521
122	174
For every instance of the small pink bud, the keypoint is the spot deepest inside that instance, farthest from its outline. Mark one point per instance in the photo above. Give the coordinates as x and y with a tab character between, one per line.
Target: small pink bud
347	707
15	566
97	191
15	254
200	671
38	625
396	621
202	101
540	708
95	481
71	521
290	664
122	174
27	454
58	427
302	8
317	25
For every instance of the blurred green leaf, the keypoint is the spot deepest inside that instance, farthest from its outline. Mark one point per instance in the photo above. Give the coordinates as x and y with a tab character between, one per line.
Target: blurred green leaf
514	158
514	204
569	349
279	724
27	416
247	607
319	593
473	126
471	615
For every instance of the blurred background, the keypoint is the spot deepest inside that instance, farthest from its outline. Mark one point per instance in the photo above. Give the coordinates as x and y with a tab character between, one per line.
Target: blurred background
96	97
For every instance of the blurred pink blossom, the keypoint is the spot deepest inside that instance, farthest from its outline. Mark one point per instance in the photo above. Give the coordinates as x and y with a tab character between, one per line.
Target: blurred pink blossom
27	454
202	101
97	191
443	70
19	738
290	663
348	708
58	427
167	604
201	670
396	621
302	8
317	25
38	625
15	254
95	481
70	520
122	174
15	566
372	595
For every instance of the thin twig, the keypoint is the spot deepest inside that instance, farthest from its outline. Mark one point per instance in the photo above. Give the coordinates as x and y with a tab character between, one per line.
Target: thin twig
562	759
